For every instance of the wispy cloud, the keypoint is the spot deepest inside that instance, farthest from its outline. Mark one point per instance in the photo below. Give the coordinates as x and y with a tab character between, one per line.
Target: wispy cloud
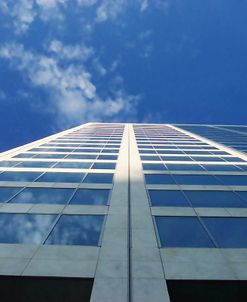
73	97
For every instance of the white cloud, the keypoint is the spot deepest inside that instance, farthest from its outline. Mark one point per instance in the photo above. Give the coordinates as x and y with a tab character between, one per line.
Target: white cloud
144	5
99	67
73	97
50	3
110	9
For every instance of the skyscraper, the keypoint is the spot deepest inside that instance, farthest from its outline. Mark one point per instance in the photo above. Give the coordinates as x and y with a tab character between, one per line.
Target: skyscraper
126	212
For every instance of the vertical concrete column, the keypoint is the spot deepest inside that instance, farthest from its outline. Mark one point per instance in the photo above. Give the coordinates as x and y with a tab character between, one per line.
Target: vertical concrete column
111	278
147	276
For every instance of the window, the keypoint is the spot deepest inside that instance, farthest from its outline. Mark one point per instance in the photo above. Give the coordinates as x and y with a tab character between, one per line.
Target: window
19	176
109	157
164	179
176	158
146	157
88	196
238	180
221	168
24	155
196	180
50	155
167	198
61	177
154	167
77	230
38	164
81	156
222	199
228	232
182	232
104	166
8	192
184	167
6	163
99	178
43	195
73	165
24	228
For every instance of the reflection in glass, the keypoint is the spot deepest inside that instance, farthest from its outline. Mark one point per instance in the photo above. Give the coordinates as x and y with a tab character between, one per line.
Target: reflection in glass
154	167
196	180
182	232
108	157
24	228
73	165
99	178
8	192
77	230
61	177
228	232
184	167
6	163
19	176
222	199
43	195
88	196
167	198
41	164
159	179
104	166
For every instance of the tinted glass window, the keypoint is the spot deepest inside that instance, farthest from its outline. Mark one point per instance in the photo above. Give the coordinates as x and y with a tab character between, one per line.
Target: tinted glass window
41	164
167	198
228	232
185	167
19	176
182	232
221	168
7	192
196	180
73	165
50	155
110	157
159	179
24	155
176	158
77	230
215	199
24	228
81	156
6	163
88	196
99	178
233	179
154	167
61	177
43	195
104	166
144	157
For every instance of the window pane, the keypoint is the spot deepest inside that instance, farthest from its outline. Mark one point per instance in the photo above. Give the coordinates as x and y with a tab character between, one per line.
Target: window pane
184	167
99	178
41	164
233	179
19	176
77	230
6	163
6	193
215	199
43	195
182	232
221	168
228	232
81	156
50	155
24	228
144	157
167	198
110	157
61	177
73	165
159	179
196	180
104	166
154	167
88	196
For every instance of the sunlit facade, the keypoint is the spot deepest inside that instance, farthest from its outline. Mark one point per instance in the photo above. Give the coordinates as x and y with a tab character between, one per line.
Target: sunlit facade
126	212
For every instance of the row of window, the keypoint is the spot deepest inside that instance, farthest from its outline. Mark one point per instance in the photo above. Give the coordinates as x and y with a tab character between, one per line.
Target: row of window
50	229
190	179
195	167
67	156
192	158
221	232
57	177
58	165
54	195
69	150
187	198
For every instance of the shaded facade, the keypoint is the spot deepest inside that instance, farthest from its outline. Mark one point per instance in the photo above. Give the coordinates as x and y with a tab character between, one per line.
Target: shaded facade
126	212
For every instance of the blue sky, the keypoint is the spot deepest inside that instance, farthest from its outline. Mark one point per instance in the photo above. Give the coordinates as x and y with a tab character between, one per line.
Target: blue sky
66	62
